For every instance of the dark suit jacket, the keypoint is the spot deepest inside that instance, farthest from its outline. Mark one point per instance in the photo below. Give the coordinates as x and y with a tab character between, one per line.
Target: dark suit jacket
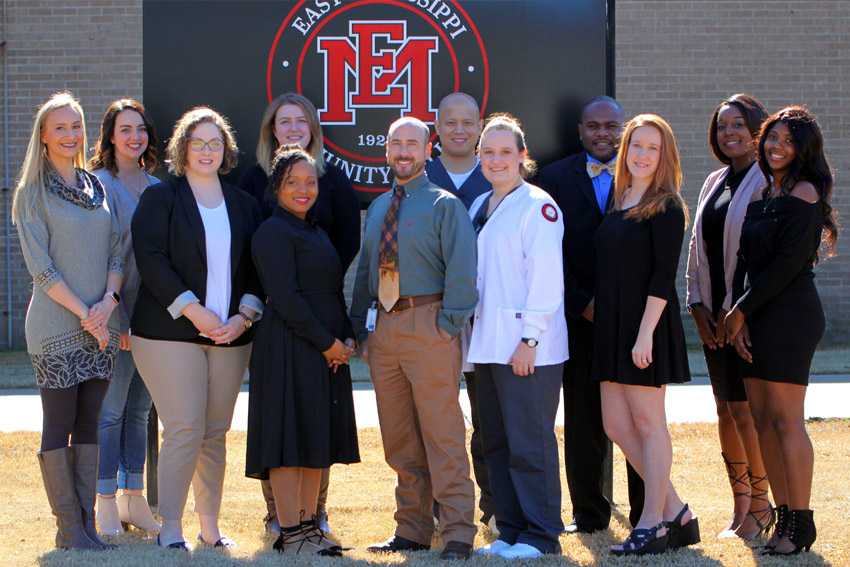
170	247
570	185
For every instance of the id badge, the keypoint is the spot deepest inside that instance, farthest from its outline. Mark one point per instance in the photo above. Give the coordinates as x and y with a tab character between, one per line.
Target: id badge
372	317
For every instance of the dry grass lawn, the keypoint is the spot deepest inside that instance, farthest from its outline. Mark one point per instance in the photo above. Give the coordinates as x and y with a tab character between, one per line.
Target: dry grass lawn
361	506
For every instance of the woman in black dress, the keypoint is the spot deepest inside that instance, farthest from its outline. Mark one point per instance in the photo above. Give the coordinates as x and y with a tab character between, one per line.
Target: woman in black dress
712	258
780	239
292	119
301	409
639	343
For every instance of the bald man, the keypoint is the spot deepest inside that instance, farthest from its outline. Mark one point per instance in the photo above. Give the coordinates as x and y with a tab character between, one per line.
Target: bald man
457	169
414	352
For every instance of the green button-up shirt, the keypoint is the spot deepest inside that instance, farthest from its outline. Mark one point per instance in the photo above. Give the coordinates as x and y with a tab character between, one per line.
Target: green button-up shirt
436	254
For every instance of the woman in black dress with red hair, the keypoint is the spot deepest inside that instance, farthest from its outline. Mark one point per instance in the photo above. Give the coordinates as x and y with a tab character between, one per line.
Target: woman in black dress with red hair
780	239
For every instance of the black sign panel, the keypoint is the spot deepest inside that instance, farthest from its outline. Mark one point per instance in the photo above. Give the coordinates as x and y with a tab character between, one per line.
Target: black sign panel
365	63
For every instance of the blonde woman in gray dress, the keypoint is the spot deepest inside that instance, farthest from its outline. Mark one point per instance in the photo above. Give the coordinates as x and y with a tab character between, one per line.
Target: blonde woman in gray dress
72	248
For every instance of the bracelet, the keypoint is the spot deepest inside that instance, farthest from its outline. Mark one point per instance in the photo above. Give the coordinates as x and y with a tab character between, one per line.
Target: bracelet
693	306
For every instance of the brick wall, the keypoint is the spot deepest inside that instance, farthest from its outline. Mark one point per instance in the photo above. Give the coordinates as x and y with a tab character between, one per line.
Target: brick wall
92	48
677	58
680	58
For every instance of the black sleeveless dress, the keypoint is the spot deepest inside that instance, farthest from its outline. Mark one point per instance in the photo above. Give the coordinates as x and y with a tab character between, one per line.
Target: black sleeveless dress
636	259
774	287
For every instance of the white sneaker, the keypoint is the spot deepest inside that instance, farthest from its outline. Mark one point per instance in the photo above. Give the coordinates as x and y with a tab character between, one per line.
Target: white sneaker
492	526
520	551
493	548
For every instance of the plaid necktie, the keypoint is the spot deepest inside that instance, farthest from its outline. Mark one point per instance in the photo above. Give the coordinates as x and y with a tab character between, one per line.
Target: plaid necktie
595	169
388	288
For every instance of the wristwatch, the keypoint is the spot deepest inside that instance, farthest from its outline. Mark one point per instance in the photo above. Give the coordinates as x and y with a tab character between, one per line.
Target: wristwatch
530	342
691	306
113	295
247	323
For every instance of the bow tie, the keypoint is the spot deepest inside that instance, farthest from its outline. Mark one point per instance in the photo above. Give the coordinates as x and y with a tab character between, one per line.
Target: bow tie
595	169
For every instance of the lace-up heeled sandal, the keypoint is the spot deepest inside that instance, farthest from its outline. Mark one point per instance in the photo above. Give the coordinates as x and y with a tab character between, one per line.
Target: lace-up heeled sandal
735	479
763	517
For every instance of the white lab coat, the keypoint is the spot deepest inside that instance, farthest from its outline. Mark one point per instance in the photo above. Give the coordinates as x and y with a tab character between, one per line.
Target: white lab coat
520	279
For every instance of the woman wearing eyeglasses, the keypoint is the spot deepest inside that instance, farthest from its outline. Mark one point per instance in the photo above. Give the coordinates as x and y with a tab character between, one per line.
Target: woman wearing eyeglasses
191	336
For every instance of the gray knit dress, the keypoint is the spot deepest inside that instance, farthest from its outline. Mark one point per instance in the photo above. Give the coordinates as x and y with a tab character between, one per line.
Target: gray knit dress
71	235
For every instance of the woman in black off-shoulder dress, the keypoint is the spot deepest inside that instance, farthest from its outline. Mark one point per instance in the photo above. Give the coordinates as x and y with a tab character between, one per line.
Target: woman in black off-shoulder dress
778	321
301	408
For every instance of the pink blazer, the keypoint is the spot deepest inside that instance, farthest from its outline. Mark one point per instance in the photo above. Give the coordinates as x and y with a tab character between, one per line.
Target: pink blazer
699	281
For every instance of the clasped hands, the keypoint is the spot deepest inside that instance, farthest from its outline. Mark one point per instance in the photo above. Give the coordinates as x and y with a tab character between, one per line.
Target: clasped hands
738	334
339	353
95	321
208	323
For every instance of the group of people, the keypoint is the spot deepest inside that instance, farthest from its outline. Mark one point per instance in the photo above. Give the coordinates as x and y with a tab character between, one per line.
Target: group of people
149	291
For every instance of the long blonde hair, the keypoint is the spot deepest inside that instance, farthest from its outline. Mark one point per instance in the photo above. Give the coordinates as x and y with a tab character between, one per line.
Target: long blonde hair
666	184
33	175
268	144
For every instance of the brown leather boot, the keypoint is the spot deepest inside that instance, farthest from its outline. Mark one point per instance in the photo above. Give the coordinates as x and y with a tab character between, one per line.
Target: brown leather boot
84	458
58	476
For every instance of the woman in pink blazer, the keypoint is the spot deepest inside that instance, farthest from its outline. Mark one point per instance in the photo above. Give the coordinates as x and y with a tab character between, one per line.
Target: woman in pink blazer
712	257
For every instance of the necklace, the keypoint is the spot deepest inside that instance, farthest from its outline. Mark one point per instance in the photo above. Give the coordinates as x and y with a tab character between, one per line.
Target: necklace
771	195
137	185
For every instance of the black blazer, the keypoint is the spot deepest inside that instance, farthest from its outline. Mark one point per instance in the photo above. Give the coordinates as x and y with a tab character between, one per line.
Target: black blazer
170	248
570	185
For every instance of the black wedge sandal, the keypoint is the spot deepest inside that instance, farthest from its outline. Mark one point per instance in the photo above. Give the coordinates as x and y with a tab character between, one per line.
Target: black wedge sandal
682	535
644	541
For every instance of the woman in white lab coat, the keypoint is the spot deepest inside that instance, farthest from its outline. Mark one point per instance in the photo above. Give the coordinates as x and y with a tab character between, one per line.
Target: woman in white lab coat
518	344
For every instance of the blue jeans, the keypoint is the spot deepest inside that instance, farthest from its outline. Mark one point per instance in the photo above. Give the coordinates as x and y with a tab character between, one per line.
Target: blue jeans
123	429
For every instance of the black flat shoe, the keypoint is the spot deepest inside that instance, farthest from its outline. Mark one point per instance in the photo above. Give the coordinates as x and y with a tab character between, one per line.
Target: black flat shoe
223	542
682	535
575	528
644	541
395	544
182	545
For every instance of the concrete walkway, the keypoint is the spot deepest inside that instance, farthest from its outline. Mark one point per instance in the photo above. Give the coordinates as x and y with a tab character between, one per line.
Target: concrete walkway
20	410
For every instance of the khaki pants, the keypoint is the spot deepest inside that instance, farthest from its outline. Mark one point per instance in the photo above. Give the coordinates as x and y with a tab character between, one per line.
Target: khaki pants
416	373
194	388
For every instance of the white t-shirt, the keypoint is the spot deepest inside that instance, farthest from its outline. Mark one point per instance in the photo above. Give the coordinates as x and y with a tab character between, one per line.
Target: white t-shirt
460	178
217	231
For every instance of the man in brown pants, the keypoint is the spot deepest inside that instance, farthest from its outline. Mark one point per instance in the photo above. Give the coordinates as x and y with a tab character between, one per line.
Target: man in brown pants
415	289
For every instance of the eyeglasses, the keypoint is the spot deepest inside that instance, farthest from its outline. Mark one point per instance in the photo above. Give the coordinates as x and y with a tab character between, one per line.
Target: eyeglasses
215	145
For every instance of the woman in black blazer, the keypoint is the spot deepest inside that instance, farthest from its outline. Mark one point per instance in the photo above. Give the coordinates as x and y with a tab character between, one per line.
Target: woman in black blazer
191	323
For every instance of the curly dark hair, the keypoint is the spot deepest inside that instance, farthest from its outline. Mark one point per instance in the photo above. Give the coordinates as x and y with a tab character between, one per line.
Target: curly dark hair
104	149
284	158
809	163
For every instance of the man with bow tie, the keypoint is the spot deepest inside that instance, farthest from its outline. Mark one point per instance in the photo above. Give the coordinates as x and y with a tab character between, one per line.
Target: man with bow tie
582	186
